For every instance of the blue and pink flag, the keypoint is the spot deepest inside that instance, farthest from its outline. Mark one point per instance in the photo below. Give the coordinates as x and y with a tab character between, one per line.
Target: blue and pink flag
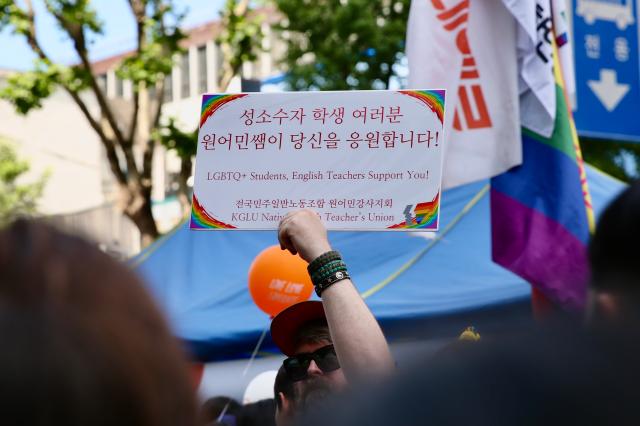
541	215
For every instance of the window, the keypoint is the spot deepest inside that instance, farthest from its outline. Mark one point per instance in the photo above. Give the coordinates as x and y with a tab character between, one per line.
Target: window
202	69
184	82
151	90
219	57
119	87
168	88
102	82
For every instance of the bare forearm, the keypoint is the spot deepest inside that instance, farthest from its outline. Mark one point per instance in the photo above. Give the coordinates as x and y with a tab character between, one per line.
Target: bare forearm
361	347
356	335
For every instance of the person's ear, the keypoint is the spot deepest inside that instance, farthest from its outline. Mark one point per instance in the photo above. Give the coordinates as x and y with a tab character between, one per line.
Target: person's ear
283	410
607	306
285	404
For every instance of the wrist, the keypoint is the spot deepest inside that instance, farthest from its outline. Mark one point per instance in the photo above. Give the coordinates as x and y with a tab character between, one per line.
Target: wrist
326	270
315	252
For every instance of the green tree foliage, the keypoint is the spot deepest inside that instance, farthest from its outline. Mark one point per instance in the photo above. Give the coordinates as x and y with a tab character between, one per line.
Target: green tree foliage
157	42
184	144
240	41
17	198
342	44
240	38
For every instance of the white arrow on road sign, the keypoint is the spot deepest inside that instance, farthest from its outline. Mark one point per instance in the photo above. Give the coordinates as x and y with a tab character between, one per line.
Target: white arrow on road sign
608	90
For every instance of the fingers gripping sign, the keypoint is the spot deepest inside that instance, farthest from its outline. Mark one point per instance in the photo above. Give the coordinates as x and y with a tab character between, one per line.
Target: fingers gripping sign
303	232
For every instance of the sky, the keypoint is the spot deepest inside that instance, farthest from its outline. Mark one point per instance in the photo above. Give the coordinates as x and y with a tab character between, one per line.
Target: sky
118	37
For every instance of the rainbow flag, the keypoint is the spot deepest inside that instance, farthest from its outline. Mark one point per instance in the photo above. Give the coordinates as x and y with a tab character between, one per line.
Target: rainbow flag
541	215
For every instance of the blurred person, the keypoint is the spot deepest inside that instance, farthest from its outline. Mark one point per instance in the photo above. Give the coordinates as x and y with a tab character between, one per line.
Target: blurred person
551	377
331	343
292	397
221	409
259	413
614	297
82	341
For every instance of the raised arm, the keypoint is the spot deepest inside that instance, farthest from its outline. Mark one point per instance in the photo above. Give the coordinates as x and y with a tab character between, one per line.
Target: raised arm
357	338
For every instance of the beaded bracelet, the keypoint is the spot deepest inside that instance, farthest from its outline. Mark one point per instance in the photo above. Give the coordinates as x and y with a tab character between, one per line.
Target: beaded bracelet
322	260
322	278
326	270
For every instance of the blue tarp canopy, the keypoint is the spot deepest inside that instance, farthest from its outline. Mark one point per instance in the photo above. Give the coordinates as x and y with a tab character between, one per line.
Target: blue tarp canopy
200	277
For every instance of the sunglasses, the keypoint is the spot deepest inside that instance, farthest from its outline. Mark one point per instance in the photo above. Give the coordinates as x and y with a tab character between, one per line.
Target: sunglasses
297	365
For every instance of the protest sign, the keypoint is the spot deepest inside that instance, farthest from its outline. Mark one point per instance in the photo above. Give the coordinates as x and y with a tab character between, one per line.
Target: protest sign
364	160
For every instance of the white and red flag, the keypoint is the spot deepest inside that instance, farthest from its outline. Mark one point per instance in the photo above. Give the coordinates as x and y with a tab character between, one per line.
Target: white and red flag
469	49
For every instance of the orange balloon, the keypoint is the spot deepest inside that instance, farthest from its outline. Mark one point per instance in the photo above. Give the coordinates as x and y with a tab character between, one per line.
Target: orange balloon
278	279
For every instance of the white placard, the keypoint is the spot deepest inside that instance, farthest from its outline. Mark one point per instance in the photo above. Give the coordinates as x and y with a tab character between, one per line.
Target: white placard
364	160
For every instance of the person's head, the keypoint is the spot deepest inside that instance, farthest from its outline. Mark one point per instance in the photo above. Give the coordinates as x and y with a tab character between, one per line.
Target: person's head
213	407
82	341
614	259
551	375
259	413
298	388
312	367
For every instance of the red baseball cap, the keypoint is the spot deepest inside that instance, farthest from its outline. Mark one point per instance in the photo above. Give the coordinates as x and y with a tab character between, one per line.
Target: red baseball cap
285	326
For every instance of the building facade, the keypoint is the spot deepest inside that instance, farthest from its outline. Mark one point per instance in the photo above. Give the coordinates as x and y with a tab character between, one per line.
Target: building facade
81	193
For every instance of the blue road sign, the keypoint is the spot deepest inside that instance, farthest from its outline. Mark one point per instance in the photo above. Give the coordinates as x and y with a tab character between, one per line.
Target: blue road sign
606	39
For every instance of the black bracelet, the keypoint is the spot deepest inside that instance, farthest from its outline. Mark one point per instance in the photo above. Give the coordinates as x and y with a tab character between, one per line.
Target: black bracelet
327	269
329	281
322	260
321	279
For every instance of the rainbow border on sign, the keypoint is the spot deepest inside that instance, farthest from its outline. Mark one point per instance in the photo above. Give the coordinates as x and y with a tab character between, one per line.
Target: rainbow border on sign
200	219
426	216
211	103
434	99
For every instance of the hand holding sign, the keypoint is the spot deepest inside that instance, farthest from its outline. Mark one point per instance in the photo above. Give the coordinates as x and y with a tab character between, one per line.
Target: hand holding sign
302	232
